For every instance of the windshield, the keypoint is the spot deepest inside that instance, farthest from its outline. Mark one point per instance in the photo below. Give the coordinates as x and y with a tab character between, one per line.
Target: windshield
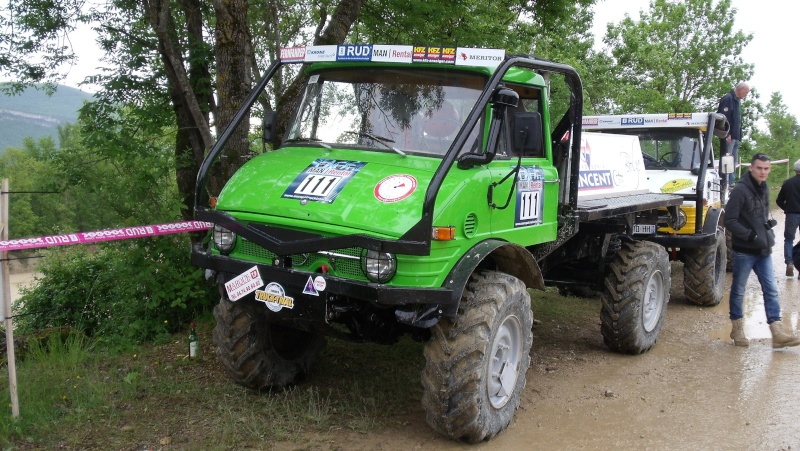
668	149
387	109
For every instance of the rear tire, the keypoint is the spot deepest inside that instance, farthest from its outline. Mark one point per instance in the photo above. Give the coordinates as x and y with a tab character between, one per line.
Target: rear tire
635	297
476	363
259	354
704	272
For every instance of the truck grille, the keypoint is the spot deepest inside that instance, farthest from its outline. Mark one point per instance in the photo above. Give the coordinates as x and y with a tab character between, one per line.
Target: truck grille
342	262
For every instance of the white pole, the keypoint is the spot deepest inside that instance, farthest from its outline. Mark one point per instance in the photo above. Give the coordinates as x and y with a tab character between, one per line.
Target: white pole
5	302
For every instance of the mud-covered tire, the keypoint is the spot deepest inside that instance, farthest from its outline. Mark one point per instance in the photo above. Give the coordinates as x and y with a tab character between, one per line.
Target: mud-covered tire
259	354
728	251
704	272
475	364
635	296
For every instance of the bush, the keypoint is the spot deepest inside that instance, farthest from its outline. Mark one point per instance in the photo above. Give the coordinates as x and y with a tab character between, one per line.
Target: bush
134	290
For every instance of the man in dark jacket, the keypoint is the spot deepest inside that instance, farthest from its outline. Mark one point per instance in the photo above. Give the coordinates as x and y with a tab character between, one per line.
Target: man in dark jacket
747	218
730	106
789	201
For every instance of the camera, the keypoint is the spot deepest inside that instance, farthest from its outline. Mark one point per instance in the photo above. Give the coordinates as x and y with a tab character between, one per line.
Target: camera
770	224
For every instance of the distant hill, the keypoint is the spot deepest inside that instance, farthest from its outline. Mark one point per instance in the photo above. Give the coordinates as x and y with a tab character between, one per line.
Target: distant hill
35	114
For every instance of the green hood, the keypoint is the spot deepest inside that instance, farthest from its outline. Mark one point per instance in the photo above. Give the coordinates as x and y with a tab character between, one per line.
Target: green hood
373	192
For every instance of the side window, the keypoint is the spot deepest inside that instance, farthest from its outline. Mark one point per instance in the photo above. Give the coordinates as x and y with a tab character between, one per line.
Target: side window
529	102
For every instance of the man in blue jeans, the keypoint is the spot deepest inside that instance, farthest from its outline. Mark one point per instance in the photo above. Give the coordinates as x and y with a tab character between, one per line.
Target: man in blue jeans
789	201
747	218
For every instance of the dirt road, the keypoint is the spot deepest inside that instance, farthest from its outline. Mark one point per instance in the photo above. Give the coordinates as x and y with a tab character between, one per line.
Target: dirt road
694	390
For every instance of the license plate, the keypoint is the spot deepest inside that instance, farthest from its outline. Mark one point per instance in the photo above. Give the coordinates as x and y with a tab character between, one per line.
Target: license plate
644	229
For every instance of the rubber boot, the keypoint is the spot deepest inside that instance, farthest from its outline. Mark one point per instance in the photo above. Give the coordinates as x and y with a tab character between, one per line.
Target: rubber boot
789	270
737	333
780	339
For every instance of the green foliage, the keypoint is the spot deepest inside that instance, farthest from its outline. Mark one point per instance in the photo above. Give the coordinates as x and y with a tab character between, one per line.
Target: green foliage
679	57
131	290
780	140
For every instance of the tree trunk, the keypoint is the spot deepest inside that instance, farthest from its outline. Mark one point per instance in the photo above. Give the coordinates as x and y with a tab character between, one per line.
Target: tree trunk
342	19
233	84
191	113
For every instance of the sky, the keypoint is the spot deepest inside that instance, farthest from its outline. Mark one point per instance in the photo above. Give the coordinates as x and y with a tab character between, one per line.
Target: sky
772	49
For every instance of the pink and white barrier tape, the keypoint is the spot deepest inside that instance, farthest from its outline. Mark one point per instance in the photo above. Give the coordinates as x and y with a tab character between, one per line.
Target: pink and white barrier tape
124	233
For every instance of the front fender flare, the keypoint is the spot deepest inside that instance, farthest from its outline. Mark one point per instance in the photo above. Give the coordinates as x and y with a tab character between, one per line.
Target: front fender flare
503	256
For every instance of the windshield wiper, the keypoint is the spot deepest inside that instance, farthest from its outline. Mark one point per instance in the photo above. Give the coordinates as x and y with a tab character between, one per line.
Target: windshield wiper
379	139
309	141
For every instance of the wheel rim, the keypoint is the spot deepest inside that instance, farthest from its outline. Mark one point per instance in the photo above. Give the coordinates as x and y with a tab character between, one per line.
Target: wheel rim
504	364
654	293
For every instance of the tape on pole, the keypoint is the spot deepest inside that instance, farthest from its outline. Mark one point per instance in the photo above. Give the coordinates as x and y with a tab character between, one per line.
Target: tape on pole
123	233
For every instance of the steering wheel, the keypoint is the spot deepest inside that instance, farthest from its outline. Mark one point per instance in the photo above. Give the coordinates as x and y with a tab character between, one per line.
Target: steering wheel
663	158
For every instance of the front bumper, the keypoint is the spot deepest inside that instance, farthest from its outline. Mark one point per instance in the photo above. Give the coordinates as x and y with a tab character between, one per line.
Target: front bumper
295	281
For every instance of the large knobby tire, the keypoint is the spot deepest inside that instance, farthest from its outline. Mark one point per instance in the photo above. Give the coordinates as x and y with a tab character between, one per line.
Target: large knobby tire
475	364
259	354
704	272
635	296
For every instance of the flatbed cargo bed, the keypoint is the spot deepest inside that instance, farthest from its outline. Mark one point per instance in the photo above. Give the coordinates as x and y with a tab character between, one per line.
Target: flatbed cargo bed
594	209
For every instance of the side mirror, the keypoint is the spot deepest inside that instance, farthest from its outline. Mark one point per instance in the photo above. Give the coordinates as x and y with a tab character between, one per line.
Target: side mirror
269	126
721	125
526	129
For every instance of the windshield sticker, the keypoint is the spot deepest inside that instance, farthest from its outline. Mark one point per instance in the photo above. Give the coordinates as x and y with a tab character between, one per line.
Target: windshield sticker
323	180
392	53
395	188
480	57
354	52
315	53
274	297
530	196
444	55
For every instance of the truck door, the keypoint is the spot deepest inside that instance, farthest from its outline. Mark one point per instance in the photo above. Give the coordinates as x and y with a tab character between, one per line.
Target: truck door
524	193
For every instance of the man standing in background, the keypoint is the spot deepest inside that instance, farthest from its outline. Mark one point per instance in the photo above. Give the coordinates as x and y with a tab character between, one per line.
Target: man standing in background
730	105
789	201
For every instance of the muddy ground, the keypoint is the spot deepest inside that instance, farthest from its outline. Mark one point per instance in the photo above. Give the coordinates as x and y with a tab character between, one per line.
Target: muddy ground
694	390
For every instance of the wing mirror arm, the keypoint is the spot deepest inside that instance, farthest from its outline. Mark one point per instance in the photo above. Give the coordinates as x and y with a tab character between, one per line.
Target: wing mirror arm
501	99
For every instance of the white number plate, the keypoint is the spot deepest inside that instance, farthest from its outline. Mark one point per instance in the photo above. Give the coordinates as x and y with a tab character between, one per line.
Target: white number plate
644	229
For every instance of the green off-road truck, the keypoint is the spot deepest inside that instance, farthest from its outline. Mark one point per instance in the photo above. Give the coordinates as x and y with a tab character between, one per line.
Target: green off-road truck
679	158
427	191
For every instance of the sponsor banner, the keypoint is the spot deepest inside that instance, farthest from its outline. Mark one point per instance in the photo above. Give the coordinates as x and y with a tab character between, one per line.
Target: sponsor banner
123	233
244	284
479	57
442	55
354	52
293	54
316	53
392	53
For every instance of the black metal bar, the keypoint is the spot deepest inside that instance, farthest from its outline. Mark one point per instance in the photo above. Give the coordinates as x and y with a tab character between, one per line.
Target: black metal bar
200	195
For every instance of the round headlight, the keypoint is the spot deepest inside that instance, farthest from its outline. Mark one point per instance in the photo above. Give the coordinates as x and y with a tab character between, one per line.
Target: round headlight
224	239
680	221
378	266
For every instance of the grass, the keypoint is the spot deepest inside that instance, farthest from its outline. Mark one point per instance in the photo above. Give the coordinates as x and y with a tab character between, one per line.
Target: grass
75	395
